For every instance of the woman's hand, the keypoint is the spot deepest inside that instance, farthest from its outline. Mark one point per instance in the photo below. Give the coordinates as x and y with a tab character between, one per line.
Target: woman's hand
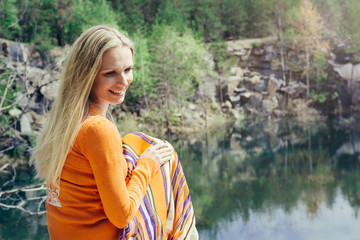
160	153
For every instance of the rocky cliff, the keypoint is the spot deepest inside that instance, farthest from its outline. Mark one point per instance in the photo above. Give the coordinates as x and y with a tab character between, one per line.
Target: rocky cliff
255	85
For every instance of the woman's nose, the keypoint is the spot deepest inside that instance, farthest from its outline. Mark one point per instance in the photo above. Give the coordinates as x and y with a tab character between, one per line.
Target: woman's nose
122	80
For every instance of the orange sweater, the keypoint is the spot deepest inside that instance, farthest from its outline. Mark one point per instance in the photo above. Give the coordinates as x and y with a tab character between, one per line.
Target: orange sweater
94	201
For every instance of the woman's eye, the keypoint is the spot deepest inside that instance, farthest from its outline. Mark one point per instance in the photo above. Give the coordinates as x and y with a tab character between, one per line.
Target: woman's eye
128	69
110	73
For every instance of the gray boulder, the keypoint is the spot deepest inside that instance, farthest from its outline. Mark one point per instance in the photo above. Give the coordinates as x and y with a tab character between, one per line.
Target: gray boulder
294	89
274	84
255	100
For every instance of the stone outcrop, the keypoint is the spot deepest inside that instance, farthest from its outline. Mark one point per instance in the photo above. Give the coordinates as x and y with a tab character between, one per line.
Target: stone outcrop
256	83
37	76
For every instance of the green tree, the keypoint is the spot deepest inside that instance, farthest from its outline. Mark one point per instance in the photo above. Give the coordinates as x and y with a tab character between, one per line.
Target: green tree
38	23
177	63
87	13
174	13
65	13
233	18
341	17
205	18
8	18
308	27
142	86
137	14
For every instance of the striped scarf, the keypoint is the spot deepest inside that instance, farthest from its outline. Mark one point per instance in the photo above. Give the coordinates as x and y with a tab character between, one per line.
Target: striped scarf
166	211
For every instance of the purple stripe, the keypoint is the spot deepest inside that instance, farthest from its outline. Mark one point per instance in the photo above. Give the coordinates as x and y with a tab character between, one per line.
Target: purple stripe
144	217
174	178
134	233
146	139
165	185
127	229
188	198
176	172
185	216
132	161
150	213
179	190
128	153
123	235
142	230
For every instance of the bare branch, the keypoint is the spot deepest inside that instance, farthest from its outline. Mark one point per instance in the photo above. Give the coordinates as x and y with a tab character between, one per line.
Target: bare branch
12	179
4	166
40	203
20	202
21	16
35	187
35	198
22	209
10	81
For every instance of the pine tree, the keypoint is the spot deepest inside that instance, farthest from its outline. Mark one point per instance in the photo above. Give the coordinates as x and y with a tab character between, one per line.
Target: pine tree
8	18
308	27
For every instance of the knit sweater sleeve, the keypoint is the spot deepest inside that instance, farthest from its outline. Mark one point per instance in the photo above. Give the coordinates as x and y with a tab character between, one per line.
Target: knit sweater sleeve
102	146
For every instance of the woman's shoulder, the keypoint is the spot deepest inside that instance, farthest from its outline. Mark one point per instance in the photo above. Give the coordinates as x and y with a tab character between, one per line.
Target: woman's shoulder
96	119
98	125
96	134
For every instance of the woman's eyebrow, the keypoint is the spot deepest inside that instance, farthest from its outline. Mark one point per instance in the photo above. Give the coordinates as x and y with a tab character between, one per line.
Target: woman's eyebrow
115	68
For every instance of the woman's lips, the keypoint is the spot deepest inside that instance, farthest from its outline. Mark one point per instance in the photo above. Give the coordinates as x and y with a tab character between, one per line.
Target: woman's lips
117	92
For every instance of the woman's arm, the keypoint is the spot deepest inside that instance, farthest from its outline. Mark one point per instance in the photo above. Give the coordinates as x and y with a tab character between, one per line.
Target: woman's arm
102	145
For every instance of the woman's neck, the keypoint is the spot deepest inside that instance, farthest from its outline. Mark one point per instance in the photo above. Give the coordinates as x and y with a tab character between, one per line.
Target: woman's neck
102	108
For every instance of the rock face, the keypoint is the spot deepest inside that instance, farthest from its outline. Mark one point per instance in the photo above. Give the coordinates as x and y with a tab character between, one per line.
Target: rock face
255	85
349	87
258	86
37	76
347	71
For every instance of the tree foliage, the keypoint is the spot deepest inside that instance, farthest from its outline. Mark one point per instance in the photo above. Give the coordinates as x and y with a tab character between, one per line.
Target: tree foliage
8	18
308	28
142	87
342	19
177	62
59	21
169	34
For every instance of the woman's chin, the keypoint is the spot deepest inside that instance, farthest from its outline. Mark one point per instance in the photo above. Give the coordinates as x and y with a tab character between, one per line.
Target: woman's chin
119	101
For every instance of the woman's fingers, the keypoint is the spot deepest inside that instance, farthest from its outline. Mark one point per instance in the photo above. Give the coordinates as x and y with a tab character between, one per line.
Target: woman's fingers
161	152
162	145
165	151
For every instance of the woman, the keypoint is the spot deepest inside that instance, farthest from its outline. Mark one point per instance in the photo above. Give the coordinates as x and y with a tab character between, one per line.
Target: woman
91	192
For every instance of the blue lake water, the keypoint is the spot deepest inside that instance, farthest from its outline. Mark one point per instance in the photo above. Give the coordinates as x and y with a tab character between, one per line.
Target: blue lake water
268	179
260	179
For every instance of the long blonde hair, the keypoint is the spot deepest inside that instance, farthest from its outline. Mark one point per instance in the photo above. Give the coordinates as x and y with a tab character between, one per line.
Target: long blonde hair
71	104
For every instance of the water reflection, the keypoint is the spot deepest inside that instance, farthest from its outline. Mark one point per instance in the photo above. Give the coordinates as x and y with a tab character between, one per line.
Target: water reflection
15	225
331	223
261	179
275	179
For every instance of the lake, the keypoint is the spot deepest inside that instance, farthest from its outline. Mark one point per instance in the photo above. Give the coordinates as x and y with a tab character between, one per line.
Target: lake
258	179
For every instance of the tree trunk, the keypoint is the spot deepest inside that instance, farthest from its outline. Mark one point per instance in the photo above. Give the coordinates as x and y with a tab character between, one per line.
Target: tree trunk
309	152
220	91
351	85
142	80
307	73
281	48
167	106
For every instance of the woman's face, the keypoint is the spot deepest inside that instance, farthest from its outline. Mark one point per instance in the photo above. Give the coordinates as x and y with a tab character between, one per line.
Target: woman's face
113	78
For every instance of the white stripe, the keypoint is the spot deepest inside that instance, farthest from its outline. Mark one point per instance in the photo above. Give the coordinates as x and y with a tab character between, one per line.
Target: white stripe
131	150
142	205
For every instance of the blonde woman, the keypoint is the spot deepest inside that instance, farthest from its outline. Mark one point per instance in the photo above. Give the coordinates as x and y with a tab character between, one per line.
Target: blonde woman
79	153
